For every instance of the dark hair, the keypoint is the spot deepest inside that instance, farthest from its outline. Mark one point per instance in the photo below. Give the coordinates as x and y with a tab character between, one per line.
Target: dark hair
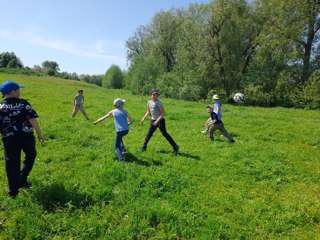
80	90
153	91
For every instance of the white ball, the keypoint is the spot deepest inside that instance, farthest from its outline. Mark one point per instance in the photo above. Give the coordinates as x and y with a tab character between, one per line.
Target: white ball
238	97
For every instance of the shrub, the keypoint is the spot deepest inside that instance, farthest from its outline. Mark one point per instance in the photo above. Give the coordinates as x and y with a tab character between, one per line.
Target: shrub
255	96
311	92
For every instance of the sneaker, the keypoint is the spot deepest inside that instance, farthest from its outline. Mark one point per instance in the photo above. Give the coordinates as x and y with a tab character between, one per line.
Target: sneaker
25	184
204	132
124	151
13	195
143	149
176	150
232	141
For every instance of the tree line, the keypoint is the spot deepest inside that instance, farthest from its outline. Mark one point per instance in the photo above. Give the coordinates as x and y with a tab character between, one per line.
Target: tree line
267	49
113	78
9	60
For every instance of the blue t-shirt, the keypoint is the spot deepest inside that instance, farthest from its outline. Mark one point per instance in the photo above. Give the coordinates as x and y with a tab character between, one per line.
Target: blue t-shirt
214	116
120	120
217	108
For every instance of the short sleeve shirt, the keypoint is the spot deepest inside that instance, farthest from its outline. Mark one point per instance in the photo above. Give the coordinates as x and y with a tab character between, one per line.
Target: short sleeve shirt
215	117
78	100
217	109
15	114
155	108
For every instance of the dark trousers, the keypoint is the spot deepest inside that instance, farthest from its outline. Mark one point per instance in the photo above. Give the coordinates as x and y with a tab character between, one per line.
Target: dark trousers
162	126
12	156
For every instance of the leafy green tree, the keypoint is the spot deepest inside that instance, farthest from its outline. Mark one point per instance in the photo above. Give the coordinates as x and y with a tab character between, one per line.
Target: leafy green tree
164	29
50	65
144	73
10	60
260	47
113	78
136	44
292	33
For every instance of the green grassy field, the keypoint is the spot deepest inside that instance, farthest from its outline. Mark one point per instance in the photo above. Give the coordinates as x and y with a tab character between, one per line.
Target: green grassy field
265	186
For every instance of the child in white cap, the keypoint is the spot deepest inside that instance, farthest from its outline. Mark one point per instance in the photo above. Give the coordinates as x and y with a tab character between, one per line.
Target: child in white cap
120	117
217	108
216	124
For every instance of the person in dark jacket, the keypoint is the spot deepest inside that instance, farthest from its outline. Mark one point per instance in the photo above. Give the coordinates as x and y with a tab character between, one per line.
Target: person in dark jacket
17	122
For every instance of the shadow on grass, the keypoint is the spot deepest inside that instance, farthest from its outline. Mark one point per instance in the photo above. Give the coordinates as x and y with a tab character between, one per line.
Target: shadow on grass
129	157
55	197
181	154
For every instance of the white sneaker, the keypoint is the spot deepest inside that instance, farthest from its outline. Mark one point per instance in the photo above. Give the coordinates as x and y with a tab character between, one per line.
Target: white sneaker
204	132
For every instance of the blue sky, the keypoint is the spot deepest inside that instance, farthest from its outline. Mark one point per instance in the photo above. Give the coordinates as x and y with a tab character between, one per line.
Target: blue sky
82	36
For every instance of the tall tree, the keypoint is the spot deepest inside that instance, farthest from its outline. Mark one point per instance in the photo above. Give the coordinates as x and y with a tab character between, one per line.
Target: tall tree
113	78
51	65
292	32
163	29
10	60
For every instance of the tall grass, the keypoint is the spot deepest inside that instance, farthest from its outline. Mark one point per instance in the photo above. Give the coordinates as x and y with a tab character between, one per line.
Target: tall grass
265	186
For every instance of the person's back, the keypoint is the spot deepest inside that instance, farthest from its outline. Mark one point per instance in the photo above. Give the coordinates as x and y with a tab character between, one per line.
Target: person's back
14	115
120	117
120	120
17	122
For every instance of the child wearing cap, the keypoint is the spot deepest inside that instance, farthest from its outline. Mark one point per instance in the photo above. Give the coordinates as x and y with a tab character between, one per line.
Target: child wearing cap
120	117
214	123
78	105
217	108
156	110
17	121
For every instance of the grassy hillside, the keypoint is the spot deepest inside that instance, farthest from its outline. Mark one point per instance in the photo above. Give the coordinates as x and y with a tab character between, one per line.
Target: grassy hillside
265	186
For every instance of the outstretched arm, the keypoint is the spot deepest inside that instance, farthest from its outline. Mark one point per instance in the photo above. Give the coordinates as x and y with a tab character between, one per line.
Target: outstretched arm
104	117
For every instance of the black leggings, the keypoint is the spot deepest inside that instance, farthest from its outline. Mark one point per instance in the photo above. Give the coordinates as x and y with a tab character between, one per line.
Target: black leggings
162	126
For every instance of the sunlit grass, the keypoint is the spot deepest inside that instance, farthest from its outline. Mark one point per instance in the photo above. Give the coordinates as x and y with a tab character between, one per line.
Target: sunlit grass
265	186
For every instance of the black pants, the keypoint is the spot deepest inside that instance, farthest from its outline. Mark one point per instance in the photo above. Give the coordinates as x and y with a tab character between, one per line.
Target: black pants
162	126
12	156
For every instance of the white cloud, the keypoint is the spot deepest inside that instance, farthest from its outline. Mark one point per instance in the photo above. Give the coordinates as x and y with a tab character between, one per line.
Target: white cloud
95	50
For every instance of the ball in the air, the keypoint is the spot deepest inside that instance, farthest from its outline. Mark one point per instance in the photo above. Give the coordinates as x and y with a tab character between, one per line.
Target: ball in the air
238	97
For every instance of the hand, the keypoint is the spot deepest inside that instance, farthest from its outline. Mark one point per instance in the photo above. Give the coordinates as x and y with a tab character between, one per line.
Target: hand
142	121
155	124
41	139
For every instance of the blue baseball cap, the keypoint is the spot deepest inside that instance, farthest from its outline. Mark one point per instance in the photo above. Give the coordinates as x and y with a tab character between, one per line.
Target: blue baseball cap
9	86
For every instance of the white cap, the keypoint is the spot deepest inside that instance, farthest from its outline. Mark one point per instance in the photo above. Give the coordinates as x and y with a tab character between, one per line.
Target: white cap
118	102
